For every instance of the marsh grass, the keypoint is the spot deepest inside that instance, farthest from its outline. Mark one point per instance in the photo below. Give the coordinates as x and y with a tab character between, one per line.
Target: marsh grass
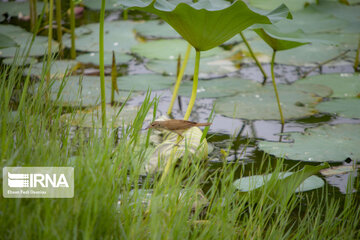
32	134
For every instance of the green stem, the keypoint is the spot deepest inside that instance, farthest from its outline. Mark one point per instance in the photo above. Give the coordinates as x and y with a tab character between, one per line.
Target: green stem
125	14
102	65
59	29
275	88
72	30
179	78
195	83
33	14
253	56
356	63
113	79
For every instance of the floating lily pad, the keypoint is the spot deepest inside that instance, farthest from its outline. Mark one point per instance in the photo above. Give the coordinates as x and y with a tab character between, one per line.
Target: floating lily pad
23	38
169	49
342	84
321	144
293	5
155	29
82	91
315	89
261	104
218	87
16	9
96	4
304	55
143	82
58	68
209	67
92	118
348	107
171	146
312	21
6	42
93	58
118	37
247	184
19	61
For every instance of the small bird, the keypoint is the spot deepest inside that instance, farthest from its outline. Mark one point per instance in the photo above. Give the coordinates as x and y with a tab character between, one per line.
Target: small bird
175	125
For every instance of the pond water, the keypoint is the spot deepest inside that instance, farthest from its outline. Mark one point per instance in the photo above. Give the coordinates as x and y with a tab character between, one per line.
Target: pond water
238	134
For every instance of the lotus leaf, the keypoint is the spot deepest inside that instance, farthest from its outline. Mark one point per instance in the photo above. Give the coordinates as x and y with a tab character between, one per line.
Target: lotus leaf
17	9
96	4
143	82
210	67
246	184
82	91
270	4
348	107
339	170
19	61
321	144
261	104
93	58
206	24
169	49
219	87
155	29
58	68
118	37
91	118
307	55
22	39
342	84
6	42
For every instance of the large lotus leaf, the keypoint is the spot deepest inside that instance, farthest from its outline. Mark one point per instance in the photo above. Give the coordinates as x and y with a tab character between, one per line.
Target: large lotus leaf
219	87
321	144
279	40
163	152
246	184
293	5
169	49
6	42
348	107
118	37
316	89
23	38
58	68
92	117
19	61
82	91
261	104
342	84
351	14
144	82
93	58
312	21
18	9
210	67
205	24
96	4
343	40
155	29
307	55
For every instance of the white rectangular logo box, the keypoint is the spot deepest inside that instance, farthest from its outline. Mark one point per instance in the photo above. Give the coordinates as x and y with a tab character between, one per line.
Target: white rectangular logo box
38	182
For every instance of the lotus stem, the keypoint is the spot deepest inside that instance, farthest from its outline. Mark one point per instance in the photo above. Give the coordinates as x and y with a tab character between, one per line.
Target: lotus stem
254	57
275	88
72	30
125	14
102	66
59	29
356	63
33	14
179	78
194	88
